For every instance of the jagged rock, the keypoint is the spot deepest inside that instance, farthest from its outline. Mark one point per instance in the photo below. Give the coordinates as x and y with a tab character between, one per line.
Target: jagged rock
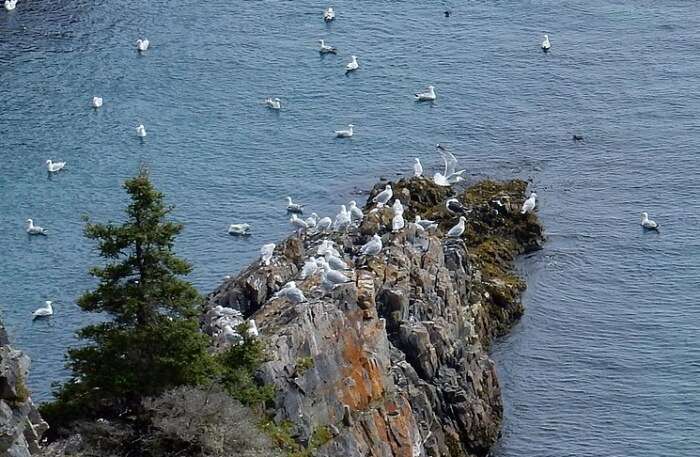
400	366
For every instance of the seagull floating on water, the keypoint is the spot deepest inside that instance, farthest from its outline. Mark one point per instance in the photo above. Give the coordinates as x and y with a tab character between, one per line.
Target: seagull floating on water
54	167
142	45
529	204
647	223
372	247
266	253
294	207
141	131
353	65
96	102
457	230
326	49
239	229
383	197
428	96
10	4
34	229
328	14
345	133
545	44
273	103
417	168
44	311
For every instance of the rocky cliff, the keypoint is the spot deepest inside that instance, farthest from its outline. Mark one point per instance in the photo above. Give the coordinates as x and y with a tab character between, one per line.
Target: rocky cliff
394	362
21	426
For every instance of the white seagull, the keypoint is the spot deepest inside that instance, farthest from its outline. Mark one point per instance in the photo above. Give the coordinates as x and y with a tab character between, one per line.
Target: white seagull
336	263
417	168
457	230
529	204
333	276
292	293
372	247
425	224
352	65
428	96
298	224
142	45
345	133
266	253
310	268
44	311
342	219
545	43
96	102
328	14
451	175
239	229
327	246
312	220
326	49
324	224
355	212
141	131
383	197
397	207
34	229
647	223
53	167
273	103
10	4
398	223
294	207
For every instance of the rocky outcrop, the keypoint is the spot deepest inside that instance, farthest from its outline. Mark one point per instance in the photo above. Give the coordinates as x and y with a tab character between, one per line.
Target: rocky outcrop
394	362
21	426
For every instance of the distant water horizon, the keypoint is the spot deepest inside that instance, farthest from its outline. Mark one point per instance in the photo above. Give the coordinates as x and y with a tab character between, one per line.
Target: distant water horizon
607	357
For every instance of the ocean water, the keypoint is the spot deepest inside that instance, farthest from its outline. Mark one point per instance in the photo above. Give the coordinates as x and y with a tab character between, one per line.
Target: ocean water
606	360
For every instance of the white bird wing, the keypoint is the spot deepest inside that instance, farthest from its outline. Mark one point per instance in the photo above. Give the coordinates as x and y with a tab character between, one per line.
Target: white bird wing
450	161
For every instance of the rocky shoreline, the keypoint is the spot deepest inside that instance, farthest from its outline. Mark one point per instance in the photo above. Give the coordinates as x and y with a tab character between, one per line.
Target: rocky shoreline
394	363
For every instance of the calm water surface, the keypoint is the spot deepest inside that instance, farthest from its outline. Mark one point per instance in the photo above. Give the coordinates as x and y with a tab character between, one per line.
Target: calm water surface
605	362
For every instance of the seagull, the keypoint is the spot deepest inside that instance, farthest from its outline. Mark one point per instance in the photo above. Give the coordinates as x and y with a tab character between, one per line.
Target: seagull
397	208
239	229
294	207
455	207
273	103
372	247
44	311
335	262
142	45
457	230
383	197
298	224
324	224
326	49
426	224
311	220
529	204
310	268
417	168
440	180
577	137
96	102
34	229
333	276
141	131
10	4
355	212
53	167
648	224
266	253
428	96
327	246
353	65
345	133
328	14
397	223
292	293
342	219
545	43
450	174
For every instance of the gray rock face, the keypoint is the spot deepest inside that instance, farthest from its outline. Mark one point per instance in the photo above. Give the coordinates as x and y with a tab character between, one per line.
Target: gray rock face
399	363
21	426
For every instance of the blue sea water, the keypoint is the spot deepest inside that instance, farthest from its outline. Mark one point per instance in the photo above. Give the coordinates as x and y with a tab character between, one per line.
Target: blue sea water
606	360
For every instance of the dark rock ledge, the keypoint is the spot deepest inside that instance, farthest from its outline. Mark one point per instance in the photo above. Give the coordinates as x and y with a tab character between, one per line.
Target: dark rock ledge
395	363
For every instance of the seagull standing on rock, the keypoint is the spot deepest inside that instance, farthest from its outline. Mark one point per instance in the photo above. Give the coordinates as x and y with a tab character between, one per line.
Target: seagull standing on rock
355	212
529	204
455	207
342	219
310	268
292	293
312	220
298	224
336	263
417	168
648	224
425	224
324	224
457	230
372	247
266	253
383	197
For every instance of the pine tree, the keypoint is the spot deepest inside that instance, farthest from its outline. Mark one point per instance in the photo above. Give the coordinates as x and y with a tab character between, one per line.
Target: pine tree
151	342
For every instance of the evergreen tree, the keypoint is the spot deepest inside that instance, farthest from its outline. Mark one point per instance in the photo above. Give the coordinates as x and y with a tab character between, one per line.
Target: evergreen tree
151	342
